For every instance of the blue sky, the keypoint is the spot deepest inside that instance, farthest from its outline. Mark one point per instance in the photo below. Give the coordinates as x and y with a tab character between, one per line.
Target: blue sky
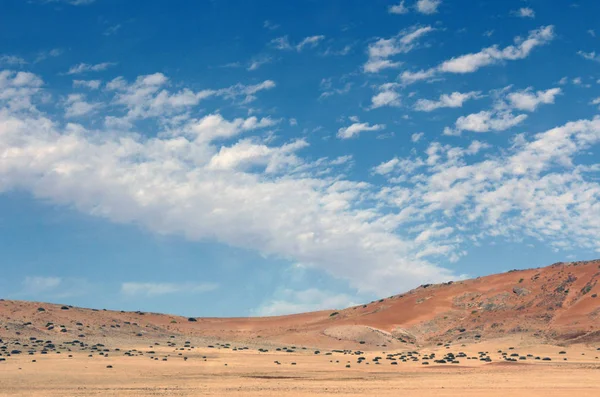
234	158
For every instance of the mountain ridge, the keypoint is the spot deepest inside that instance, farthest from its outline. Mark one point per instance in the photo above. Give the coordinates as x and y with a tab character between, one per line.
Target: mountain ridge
557	303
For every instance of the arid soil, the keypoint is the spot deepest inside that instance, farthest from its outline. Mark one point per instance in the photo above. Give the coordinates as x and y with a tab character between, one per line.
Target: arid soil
531	332
253	373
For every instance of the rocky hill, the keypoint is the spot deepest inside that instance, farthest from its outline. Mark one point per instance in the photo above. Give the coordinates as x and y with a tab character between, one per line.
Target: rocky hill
558	303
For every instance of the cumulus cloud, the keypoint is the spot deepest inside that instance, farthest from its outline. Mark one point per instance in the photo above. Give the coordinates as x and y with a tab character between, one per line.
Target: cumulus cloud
398	9
386	167
381	50
524	12
355	129
472	62
485	121
416	137
76	106
408	77
204	178
387	96
502	117
18	88
91	84
529	100
428	6
536	189
488	56
453	100
149	95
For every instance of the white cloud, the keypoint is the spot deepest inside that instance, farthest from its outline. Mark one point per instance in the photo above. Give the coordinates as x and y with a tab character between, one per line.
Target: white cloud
91	84
428	6
311	41
246	153
205	178
408	77
12	60
524	12
386	167
596	101
535	189
158	289
454	100
488	56
290	301
416	137
398	9
387	96
355	129
85	67
485	121
592	56
283	43
470	63
76	106
148	96
529	100
381	50
501	116
17	89
258	62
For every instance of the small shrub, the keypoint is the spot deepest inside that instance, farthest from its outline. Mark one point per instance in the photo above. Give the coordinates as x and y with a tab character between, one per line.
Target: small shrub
192	319
334	314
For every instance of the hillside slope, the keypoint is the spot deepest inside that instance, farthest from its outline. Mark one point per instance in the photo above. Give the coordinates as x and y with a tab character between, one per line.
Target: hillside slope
559	303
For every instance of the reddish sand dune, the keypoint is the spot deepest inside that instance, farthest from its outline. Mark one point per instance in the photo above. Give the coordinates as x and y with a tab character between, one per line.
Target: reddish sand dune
558	302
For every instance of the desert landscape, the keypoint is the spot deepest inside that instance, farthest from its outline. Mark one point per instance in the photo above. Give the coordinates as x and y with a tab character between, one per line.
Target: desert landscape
299	198
526	332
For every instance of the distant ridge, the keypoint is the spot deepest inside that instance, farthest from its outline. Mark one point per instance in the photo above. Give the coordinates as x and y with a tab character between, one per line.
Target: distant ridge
558	303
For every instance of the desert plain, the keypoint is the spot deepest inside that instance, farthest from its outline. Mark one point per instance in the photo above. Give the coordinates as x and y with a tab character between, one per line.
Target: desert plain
533	332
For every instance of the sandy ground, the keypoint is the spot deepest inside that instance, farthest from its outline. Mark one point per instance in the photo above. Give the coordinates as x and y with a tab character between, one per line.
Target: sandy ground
251	373
552	312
